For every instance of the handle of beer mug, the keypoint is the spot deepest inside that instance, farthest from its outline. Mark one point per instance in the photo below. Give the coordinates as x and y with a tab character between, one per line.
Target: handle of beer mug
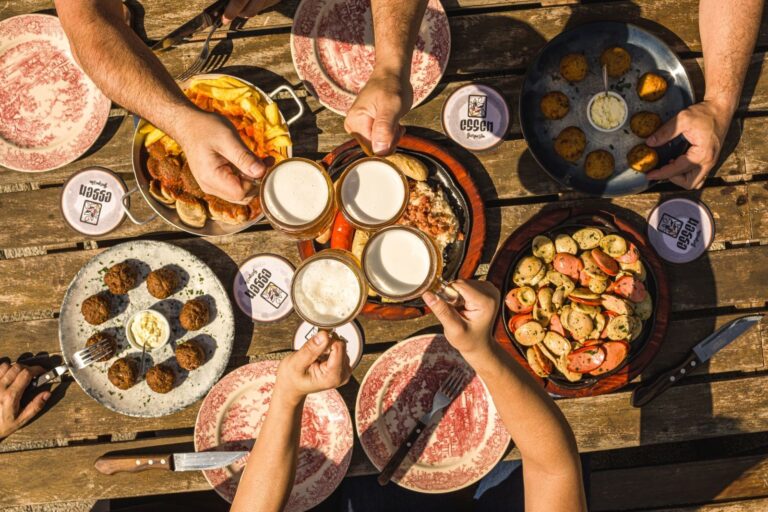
448	293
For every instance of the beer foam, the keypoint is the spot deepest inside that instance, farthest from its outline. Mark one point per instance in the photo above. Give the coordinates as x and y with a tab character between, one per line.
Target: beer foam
397	262
326	291
296	192
373	192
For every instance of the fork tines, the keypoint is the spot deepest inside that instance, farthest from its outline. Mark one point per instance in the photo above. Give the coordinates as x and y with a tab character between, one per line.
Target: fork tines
454	383
93	353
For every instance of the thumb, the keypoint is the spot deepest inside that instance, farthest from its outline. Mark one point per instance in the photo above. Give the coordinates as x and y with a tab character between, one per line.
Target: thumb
666	133
446	314
233	149
313	349
384	133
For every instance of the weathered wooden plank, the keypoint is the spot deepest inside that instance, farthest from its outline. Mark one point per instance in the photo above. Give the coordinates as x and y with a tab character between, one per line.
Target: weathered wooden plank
691	483
758	505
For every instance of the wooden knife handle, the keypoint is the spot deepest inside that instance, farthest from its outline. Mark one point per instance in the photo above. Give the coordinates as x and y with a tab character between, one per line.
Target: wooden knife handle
109	465
399	456
647	392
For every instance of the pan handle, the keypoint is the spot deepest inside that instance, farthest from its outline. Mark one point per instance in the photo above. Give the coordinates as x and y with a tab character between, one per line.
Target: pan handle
127	209
296	99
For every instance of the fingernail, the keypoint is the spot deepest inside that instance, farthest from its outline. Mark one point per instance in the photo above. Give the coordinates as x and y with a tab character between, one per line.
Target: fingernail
256	170
430	299
45	396
380	147
316	340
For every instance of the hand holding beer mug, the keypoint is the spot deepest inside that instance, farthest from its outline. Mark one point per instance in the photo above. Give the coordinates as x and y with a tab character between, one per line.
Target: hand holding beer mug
401	263
298	199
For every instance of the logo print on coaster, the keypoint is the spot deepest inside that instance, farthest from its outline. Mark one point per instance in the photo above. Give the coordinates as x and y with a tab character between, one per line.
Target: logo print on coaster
670	226
476	106
90	213
274	295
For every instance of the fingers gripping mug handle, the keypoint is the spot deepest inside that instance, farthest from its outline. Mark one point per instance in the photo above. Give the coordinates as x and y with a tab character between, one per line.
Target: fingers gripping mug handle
448	293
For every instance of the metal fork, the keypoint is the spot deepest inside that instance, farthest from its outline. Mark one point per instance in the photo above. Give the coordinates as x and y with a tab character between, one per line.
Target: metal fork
80	359
448	391
198	64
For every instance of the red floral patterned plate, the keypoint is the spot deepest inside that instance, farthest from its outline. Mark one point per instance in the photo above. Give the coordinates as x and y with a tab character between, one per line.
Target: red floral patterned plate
231	417
454	452
332	50
51	113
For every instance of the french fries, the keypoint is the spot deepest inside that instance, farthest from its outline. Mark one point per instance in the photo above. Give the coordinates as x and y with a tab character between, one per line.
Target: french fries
256	118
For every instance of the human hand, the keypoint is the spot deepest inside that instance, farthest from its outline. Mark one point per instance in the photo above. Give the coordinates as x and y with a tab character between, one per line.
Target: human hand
13	381
468	329
704	125
245	8
222	165
375	115
306	371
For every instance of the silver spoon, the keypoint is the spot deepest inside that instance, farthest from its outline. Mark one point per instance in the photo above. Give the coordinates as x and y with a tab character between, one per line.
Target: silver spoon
605	79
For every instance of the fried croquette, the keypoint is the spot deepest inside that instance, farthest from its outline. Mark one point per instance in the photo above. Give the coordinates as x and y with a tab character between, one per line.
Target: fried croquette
194	315
190	355
120	278
111	342
616	60
644	124
123	373
642	158
160	378
96	309
573	67
554	105
599	164
570	143
651	87
162	283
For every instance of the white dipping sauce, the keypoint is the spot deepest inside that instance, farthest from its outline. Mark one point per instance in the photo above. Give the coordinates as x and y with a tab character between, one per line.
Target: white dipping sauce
608	111
326	291
149	330
373	192
397	262
296	192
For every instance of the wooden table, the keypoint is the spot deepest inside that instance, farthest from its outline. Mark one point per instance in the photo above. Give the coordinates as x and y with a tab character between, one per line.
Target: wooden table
492	41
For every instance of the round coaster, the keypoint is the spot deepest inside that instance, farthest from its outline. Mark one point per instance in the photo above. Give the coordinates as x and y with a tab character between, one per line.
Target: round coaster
681	230
350	332
92	201
476	117
262	287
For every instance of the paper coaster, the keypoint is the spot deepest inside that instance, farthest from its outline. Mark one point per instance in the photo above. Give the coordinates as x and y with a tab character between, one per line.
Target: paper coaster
681	230
92	201
262	287
476	117
349	332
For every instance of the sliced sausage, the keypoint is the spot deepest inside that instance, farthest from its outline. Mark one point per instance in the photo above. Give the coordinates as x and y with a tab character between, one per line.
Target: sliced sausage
631	256
530	333
568	265
516	321
586	359
540	365
605	262
521	300
616	304
630	288
556	326
616	353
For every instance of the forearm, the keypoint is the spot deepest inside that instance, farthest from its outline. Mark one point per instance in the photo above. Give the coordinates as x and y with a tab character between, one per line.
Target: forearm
268	477
120	64
729	31
551	464
395	26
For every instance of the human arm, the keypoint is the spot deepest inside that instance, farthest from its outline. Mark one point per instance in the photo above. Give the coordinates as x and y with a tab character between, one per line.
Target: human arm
266	483
551	465
729	31
387	96
127	71
14	380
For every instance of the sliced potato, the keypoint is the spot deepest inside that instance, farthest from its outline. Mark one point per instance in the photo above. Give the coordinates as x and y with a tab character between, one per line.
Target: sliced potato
600	323
637	328
358	242
538	362
191	211
558	297
561	281
543	248
527	269
580	324
564	243
617	304
592	311
613	245
597	285
539	278
620	328
541	315
644	308
562	366
529	334
411	166
556	344
637	268
545	300
588	238
590	266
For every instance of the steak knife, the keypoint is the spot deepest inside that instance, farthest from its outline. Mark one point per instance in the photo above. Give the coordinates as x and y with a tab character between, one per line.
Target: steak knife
700	354
111	464
204	20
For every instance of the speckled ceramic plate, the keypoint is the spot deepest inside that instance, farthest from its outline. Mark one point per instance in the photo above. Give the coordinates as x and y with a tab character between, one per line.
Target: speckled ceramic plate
198	280
458	448
231	418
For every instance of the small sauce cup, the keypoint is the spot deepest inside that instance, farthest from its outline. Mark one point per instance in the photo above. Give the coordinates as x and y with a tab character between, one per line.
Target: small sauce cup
604	100
153	320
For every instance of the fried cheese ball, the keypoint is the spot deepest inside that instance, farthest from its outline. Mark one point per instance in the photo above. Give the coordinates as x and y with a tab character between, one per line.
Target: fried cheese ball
194	315
96	309
574	67
570	143
616	60
160	378
554	105
161	283
651	87
642	158
111	343
123	373
599	164
644	124
120	278
190	355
